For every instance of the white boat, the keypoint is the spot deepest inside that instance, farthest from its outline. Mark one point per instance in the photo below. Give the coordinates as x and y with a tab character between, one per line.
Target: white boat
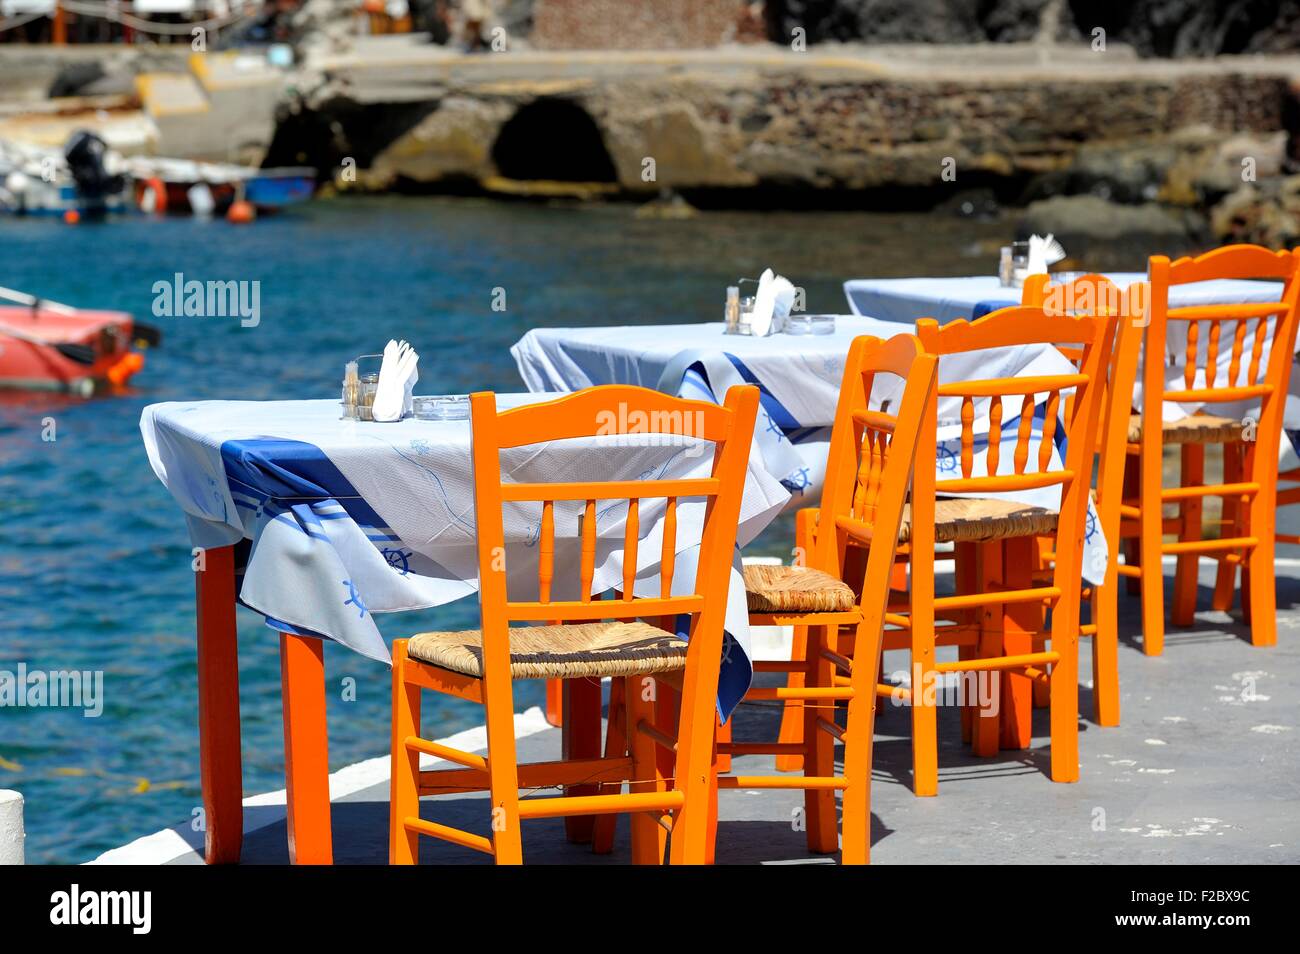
85	177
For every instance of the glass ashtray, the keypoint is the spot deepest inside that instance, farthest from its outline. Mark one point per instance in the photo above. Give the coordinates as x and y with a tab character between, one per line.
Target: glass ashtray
441	407
810	325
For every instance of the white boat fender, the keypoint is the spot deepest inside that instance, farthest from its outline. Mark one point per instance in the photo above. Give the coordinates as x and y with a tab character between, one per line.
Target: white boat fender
201	201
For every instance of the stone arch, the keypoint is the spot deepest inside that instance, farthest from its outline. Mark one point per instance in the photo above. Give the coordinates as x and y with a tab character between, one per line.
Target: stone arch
554	139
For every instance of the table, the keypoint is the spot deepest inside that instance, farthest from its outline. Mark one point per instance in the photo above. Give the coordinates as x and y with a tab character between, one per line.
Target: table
972	296
799	380
350	519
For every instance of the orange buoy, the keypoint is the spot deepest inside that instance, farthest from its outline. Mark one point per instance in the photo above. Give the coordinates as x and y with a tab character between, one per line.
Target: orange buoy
71	216
152	197
121	370
241	212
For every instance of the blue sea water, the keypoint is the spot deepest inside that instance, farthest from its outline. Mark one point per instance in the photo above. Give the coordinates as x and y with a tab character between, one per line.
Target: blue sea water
94	557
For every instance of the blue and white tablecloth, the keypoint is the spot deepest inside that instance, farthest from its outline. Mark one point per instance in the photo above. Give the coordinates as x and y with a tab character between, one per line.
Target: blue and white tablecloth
799	378
947	299
350	519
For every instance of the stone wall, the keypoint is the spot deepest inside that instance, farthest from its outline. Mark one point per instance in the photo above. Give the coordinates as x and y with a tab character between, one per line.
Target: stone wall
633	24
837	129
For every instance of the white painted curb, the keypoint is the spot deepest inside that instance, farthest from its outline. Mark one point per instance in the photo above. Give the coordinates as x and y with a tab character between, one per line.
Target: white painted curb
11	827
171	844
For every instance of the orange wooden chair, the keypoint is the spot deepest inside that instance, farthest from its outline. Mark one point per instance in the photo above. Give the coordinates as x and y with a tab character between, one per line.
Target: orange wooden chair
994	543
1002	640
1096	295
1249	488
583	639
868	475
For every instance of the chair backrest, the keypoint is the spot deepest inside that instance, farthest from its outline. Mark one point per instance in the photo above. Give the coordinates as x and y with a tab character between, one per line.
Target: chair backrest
1244	380
871	458
1010	327
1094	294
607	411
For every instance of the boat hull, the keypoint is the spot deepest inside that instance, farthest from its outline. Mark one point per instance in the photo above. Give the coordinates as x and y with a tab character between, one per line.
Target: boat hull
26	365
58	198
273	189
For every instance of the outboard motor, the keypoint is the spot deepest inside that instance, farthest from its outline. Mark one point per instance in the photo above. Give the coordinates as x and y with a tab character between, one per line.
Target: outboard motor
85	154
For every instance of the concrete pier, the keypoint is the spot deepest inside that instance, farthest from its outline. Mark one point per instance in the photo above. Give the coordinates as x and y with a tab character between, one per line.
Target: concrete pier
11	827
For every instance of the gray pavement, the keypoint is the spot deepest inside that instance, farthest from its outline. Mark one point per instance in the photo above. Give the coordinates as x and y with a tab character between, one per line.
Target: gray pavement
1202	769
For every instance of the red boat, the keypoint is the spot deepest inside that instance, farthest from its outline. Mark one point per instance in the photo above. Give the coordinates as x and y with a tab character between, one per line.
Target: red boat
50	347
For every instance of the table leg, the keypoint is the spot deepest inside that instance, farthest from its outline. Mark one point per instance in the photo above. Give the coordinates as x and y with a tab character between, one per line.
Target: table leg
984	730
306	750
580	739
220	767
555	701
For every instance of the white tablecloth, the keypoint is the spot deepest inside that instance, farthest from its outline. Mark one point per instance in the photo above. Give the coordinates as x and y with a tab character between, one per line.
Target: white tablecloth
351	519
947	299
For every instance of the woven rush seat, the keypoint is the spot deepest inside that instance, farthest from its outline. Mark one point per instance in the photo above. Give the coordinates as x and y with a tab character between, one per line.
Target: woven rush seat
560	652
1197	429
972	519
795	589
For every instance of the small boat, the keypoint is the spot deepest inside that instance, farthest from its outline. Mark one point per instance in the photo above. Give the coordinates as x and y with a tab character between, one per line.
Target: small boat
271	189
85	179
47	346
210	188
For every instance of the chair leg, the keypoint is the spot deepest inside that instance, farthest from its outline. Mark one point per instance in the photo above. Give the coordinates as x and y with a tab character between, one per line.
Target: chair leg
503	766
1019	625
1105	650
925	731
580	739
1132	545
1153	582
1259	580
648	836
819	804
404	771
792	711
1190	510
715	770
1041	691
966	578
306	750
985	740
724	735
616	745
693	771
1225	580
859	734
1065	709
